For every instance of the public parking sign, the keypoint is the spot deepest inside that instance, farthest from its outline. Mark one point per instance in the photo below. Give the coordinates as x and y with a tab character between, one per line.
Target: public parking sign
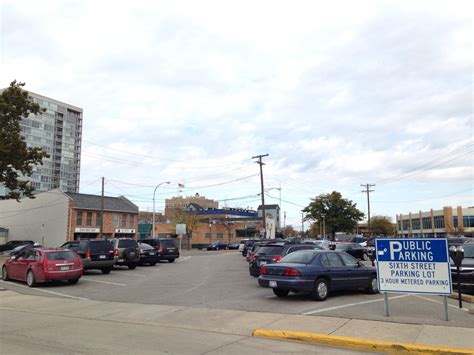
413	265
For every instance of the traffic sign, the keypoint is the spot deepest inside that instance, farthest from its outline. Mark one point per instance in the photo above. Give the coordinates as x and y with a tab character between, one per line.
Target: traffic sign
413	265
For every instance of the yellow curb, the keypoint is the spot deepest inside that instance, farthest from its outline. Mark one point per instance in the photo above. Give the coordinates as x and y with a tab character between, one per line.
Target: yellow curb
464	297
358	344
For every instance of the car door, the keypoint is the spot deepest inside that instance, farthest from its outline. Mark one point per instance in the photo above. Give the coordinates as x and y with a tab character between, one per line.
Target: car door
14	265
356	275
335	268
23	264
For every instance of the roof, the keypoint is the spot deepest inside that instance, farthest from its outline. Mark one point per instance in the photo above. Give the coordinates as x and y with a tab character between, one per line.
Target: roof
94	202
268	207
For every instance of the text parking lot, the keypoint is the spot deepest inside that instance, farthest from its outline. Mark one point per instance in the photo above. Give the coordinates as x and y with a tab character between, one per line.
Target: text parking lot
221	280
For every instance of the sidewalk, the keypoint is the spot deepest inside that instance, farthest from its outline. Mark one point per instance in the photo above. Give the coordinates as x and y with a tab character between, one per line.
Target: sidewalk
228	326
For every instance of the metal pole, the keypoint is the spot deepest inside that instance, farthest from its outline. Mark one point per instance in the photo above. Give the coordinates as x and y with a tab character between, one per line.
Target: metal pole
302	224
385	304
445	301
262	192
459	287
153	225
102	211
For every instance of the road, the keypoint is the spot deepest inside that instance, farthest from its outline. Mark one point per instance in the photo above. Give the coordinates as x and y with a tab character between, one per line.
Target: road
221	280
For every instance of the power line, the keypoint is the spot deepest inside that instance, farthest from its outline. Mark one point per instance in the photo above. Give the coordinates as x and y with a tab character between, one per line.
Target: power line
427	199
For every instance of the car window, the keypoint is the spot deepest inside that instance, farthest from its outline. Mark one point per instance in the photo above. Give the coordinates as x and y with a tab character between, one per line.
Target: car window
348	260
334	260
127	243
342	247
270	250
168	243
145	246
299	257
60	255
100	245
468	251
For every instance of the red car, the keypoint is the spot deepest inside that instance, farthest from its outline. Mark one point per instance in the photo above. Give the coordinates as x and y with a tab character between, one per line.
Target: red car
35	265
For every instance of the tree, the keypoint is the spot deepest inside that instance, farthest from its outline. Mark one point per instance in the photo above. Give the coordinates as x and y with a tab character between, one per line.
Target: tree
16	159
339	214
382	225
190	220
289	231
314	230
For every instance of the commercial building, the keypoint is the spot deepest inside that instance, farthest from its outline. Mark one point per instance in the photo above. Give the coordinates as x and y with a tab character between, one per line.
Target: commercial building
176	204
55	217
437	223
58	131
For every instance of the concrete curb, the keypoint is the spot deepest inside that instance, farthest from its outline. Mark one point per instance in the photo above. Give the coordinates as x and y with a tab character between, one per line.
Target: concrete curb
464	297
356	343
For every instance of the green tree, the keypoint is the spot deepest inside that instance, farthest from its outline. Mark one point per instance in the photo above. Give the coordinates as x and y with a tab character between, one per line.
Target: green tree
289	231
191	221
16	159
340	215
382	225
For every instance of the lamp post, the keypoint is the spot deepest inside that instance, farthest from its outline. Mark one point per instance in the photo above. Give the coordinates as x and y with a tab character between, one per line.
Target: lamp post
153	225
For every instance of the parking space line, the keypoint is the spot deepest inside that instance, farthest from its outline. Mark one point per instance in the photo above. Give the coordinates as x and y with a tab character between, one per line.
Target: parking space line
351	304
104	282
128	274
183	259
46	291
450	305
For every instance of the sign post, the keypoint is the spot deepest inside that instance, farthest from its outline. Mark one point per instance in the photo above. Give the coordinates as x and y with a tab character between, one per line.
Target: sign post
413	266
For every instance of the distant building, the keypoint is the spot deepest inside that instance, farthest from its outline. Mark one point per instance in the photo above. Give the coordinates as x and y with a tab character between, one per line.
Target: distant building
176	204
58	131
274	211
437	223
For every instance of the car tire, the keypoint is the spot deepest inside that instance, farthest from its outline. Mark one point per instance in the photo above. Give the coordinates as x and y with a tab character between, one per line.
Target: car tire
373	287
5	274
30	279
132	266
171	260
106	271
153	263
321	290
73	281
280	292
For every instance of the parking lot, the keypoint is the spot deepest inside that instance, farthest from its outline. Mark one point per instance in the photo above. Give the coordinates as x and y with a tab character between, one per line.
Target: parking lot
220	279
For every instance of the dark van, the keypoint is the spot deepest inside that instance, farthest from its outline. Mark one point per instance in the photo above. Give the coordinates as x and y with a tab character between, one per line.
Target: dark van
167	247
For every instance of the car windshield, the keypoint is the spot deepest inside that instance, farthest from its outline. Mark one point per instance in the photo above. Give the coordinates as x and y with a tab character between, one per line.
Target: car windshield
342	246
299	257
60	255
468	251
100	245
127	243
169	243
270	250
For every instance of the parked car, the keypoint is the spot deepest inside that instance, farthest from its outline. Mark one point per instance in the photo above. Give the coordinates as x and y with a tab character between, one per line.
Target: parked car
317	272
234	246
457	241
354	249
96	254
251	251
127	252
466	270
20	248
248	246
219	245
273	253
13	244
167	247
37	265
148	254
360	240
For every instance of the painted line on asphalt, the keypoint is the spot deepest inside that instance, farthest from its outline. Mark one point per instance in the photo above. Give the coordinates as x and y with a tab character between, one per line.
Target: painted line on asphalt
450	305
351	305
128	274
104	282
46	291
183	259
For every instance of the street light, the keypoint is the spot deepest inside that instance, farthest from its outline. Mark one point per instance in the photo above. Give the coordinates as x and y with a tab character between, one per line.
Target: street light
153	226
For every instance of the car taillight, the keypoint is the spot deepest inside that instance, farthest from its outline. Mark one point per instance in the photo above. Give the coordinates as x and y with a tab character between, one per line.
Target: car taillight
292	272
161	249
88	254
116	252
263	270
252	258
111	251
277	258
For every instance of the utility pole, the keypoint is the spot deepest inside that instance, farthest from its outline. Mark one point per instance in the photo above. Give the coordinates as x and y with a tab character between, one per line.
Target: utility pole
102	210
259	162
302	224
367	191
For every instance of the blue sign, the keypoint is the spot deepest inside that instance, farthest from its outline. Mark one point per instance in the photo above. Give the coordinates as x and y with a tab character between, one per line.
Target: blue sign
413	265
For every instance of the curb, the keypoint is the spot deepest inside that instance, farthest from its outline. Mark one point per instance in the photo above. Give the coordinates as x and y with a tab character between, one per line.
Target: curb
356	343
464	297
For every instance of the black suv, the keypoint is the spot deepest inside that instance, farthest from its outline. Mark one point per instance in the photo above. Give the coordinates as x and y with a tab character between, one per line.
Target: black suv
274	252
167	247
127	252
14	243
94	253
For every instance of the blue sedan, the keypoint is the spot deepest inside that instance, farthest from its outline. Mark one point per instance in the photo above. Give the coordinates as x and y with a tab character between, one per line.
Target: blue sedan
317	272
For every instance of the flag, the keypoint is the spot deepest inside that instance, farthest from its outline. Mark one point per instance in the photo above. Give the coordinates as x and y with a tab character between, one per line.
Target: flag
181	186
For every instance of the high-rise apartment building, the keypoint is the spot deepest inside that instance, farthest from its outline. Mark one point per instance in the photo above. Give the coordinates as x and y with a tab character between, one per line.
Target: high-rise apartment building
58	131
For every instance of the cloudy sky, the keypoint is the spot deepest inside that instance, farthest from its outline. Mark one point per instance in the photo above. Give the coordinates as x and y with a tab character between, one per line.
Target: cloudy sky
338	93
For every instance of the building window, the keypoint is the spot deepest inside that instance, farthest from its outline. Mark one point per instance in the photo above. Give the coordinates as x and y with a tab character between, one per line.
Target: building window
89	219
79	218
405	225
132	221
439	221
116	223
98	219
455	221
220	235
399	225
416	224
426	222
208	235
468	221
124	219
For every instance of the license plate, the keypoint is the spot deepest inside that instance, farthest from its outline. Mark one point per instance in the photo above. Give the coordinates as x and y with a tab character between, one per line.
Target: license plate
64	268
132	254
170	249
263	263
152	253
102	256
272	283
120	260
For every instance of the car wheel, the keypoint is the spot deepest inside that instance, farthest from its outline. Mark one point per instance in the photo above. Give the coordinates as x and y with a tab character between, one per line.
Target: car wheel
364	256
132	266
5	274
321	290
73	281
171	260
373	285
153	263
106	271
280	293
30	279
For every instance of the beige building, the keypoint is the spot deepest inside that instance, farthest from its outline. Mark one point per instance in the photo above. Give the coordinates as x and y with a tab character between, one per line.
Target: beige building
175	204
